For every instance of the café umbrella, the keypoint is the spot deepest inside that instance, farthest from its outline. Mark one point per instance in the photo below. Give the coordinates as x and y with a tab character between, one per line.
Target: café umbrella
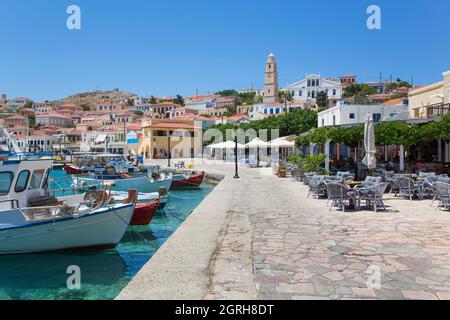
227	145
369	143
257	143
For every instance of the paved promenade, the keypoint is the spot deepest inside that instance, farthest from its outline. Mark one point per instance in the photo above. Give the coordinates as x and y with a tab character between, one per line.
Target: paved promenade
259	237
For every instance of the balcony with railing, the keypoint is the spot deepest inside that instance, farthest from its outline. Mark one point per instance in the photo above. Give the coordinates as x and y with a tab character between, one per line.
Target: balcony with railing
433	111
437	110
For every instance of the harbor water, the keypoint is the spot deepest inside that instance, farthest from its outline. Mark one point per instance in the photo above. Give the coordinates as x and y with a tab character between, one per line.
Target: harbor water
103	274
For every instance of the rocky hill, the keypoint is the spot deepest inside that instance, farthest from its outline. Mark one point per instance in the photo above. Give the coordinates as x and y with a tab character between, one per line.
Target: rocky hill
97	96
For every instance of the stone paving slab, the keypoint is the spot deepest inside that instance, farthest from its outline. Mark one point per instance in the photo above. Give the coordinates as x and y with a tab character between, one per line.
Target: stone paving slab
302	250
270	241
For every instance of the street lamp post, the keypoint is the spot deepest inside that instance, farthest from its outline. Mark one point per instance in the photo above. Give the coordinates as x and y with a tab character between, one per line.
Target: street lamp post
169	155
236	174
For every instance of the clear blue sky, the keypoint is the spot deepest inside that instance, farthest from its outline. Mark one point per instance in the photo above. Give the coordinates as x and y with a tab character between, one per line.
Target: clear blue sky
178	46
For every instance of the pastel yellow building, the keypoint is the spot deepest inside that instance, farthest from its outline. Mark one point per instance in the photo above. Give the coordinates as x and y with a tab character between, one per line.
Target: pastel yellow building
432	101
182	137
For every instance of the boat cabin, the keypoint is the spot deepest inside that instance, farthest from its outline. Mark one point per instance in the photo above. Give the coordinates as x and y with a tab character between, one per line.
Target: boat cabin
100	162
23	183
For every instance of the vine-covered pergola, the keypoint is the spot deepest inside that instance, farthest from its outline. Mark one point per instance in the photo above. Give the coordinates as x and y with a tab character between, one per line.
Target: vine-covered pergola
393	133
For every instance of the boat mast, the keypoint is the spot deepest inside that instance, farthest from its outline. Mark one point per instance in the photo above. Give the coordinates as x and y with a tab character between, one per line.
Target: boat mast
11	140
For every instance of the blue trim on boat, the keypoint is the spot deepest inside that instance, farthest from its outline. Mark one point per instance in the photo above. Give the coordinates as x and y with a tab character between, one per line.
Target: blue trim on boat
52	221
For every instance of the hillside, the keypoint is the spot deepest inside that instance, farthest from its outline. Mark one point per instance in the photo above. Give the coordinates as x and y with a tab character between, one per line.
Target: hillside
93	97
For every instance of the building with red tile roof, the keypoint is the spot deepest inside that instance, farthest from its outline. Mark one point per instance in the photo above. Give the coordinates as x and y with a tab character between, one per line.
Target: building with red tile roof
53	119
16	120
183	136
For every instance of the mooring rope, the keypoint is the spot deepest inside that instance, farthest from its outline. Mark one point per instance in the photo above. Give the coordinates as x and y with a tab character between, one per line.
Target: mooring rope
128	225
174	216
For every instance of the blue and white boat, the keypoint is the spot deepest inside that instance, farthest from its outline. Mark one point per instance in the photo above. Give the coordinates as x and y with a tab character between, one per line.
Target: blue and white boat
33	221
143	182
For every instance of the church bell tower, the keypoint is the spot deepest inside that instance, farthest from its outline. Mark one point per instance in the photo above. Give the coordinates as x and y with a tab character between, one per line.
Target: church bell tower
271	81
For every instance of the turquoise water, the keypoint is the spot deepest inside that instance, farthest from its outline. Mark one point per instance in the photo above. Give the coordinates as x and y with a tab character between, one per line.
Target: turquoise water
103	274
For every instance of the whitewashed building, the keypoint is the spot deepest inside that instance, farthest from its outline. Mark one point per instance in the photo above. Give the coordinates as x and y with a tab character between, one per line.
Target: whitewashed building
17	103
39	143
42	107
306	90
343	115
110	107
53	119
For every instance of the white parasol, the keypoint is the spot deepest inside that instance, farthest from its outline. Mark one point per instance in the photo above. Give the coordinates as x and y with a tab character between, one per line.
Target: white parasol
369	143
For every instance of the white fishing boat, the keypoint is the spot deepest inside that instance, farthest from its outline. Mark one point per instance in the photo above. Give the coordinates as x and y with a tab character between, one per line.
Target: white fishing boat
120	196
99	162
143	182
33	221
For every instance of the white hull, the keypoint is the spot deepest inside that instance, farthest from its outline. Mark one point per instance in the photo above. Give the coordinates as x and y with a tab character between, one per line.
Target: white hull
143	184
119	196
101	228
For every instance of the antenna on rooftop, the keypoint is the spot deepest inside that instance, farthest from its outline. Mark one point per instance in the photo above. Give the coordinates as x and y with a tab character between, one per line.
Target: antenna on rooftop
381	81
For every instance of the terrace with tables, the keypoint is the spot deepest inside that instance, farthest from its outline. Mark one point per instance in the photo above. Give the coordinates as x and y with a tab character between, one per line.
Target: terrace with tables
344	193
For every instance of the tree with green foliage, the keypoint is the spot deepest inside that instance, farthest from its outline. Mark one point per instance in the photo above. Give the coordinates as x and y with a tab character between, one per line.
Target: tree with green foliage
153	100
228	93
231	109
138	113
292	123
285	96
246	98
31	121
322	100
387	133
308	163
86	106
179	100
359	91
319	136
397	84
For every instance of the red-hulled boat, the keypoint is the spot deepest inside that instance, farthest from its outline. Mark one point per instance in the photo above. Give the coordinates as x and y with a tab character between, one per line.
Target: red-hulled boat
144	213
182	181
72	170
